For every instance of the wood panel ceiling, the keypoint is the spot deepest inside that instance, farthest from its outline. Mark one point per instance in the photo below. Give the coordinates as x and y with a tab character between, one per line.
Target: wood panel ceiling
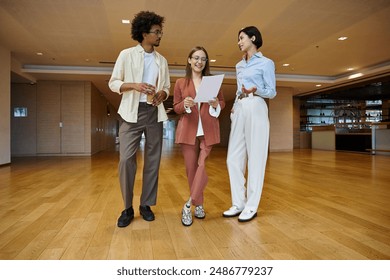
79	39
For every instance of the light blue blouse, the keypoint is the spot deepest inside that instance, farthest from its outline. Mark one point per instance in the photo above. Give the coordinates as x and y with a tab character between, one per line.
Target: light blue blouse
258	72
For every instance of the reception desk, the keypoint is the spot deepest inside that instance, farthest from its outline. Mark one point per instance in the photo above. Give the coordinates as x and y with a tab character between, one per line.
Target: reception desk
354	141
381	139
375	139
323	138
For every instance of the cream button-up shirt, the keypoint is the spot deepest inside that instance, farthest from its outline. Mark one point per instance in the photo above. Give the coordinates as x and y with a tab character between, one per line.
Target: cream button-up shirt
129	69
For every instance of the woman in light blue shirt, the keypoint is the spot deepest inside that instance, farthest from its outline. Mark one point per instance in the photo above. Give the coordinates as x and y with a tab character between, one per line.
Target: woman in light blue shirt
249	135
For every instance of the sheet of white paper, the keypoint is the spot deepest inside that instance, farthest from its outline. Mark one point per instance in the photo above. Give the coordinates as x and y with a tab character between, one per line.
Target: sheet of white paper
209	88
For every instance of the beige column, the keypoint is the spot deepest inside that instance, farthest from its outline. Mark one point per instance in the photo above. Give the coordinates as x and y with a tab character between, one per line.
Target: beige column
281	120
5	106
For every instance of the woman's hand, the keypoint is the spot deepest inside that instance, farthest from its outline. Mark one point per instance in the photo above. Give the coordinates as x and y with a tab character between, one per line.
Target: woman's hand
189	102
214	103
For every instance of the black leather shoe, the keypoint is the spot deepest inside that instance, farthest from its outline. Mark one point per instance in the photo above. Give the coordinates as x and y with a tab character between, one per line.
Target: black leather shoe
126	217
146	213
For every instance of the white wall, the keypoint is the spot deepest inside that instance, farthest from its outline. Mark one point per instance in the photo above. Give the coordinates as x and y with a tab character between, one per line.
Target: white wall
5	105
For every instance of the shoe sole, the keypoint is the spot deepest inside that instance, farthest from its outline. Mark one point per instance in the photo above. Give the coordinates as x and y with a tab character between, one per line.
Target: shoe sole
247	220
200	218
148	220
185	224
231	216
125	225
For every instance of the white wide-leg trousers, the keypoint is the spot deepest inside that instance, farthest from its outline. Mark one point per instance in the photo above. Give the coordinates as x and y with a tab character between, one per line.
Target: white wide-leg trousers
248	146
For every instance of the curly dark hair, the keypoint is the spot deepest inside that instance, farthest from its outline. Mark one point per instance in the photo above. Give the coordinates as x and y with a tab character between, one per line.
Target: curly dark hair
143	22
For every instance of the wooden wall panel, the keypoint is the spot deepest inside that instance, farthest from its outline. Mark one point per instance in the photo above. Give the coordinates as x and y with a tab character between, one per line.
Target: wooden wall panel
72	117
48	118
24	129
80	109
87	117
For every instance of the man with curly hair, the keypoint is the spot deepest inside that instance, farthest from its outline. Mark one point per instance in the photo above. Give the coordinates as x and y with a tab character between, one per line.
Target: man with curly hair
141	76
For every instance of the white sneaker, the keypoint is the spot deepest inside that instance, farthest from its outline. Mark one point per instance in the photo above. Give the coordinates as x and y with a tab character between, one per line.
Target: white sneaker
186	216
199	212
247	215
232	212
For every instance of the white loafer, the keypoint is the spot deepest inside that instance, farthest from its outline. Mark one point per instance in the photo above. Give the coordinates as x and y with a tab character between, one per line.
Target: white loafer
247	215
232	212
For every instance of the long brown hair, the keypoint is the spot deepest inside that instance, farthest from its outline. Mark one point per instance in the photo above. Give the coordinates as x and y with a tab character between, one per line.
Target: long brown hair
206	69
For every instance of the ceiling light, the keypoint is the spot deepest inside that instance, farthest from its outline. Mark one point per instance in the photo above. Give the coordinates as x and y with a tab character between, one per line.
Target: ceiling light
286	64
342	38
318	85
125	21
213	60
353	76
350	69
39	53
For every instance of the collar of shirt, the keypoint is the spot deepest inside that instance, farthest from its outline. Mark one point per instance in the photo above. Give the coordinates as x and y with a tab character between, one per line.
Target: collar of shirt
258	54
142	50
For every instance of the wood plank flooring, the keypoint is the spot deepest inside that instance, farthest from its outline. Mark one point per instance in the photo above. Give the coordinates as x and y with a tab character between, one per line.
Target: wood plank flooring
315	205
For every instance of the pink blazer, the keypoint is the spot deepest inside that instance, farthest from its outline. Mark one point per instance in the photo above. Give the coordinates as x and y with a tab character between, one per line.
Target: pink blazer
188	122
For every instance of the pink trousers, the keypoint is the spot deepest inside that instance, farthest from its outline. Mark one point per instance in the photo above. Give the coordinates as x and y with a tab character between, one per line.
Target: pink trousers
195	158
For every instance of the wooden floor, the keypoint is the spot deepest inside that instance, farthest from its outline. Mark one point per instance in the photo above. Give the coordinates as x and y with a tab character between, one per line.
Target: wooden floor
315	205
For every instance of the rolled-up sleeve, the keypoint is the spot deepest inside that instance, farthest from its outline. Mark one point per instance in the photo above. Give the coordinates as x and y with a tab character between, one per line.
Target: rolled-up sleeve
268	87
258	72
167	84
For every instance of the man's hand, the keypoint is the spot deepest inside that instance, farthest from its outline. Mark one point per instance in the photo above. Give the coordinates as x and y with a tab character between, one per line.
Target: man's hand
145	88
159	97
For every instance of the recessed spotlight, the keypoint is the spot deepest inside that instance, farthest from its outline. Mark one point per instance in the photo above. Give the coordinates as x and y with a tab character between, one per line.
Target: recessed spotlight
213	60
285	64
39	53
318	85
353	76
350	69
125	21
342	38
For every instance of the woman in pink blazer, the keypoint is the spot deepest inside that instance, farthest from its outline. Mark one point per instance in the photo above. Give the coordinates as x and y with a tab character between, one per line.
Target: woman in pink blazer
197	130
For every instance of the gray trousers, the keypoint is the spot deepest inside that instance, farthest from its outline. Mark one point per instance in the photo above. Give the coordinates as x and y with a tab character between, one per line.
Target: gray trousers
130	135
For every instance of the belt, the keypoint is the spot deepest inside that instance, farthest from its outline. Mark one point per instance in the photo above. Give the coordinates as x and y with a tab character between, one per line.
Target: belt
144	104
245	95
